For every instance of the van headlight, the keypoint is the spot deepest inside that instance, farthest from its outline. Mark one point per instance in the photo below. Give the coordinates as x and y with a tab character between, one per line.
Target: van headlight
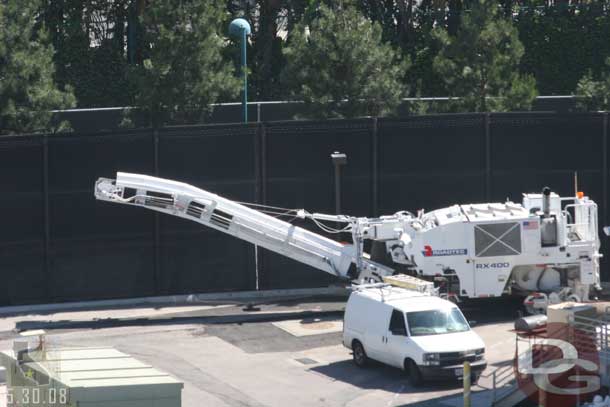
479	353
432	359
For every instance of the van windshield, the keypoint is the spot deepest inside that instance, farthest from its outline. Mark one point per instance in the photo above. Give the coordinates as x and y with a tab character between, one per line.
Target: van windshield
434	322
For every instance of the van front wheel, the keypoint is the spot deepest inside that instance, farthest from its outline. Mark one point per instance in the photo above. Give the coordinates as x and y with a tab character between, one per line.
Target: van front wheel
413	374
360	358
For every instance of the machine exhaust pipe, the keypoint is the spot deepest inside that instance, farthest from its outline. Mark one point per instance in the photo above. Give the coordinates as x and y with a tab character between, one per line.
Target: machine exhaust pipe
546	202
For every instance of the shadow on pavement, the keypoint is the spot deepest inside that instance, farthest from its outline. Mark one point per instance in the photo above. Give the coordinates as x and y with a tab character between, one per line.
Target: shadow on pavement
486	311
379	376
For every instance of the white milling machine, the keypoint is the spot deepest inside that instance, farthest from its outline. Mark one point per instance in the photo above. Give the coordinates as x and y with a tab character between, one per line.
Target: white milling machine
546	249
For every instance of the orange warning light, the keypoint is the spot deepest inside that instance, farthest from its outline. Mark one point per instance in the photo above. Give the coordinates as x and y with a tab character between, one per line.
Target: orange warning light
580	194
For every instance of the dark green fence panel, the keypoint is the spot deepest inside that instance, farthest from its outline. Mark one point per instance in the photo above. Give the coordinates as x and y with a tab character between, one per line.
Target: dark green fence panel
430	162
221	159
97	250
530	151
22	257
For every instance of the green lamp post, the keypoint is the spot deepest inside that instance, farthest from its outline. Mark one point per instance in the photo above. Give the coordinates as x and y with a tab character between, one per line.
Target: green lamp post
240	28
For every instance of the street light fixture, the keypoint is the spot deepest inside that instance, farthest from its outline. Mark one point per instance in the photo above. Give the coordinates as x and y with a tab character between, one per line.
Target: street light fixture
240	28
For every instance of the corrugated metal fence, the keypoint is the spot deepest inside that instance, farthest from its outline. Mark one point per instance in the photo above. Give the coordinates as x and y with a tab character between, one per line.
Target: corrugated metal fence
57	243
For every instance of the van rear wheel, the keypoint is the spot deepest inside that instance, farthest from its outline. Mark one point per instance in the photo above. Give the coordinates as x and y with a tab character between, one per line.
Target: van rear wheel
360	358
413	374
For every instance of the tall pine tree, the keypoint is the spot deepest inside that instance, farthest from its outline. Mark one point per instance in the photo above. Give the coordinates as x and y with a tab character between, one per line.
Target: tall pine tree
340	67
593	94
183	71
480	64
28	91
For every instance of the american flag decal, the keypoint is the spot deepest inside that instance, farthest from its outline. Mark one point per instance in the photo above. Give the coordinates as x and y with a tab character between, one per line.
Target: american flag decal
530	224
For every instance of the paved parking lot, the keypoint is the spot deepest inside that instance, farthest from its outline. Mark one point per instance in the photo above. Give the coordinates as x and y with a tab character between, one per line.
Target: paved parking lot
230	357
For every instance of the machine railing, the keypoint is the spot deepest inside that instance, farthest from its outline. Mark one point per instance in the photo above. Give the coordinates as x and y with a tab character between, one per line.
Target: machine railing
503	382
584	223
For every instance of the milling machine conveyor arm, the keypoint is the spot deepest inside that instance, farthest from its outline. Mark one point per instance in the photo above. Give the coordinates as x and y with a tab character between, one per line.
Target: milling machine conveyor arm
191	203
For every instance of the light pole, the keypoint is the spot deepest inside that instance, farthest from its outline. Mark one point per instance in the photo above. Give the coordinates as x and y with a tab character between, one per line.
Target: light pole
338	159
241	28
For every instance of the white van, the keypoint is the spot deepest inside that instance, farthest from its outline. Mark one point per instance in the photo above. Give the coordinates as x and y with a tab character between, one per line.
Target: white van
425	335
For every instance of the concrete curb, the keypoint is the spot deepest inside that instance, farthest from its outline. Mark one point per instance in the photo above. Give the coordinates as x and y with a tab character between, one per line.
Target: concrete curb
175	300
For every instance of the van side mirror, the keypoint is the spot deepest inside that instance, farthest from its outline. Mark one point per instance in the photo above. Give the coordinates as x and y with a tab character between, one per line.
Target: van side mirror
472	323
399	332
